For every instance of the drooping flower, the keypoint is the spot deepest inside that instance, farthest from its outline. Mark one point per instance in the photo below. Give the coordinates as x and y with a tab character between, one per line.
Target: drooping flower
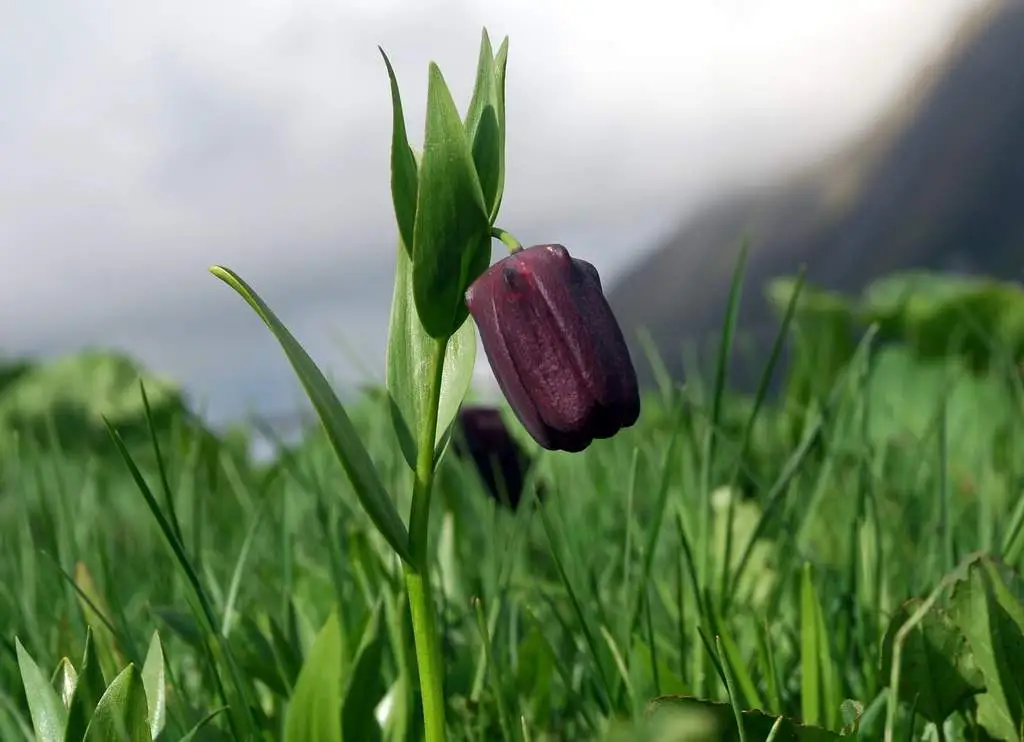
556	349
502	464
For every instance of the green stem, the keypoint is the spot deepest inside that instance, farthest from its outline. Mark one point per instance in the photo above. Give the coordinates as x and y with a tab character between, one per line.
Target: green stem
417	574
513	244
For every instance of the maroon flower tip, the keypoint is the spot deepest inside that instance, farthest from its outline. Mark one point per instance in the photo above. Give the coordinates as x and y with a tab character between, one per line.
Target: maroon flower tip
555	347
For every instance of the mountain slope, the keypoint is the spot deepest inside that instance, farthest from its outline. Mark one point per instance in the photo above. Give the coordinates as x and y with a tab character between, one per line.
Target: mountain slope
938	184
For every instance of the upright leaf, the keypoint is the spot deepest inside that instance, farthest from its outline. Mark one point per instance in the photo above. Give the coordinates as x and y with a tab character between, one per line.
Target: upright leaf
819	694
64	680
340	431
408	364
484	88
404	171
121	714
451	238
155	683
482	126
44	707
487	159
89	689
500	63
314	710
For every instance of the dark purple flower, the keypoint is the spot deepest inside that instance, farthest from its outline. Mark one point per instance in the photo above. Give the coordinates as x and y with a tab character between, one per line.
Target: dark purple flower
555	347
502	464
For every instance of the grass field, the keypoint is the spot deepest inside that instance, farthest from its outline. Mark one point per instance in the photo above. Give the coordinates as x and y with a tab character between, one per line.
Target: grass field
727	553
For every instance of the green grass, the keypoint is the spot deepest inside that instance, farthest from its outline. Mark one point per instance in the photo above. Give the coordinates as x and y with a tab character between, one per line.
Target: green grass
747	553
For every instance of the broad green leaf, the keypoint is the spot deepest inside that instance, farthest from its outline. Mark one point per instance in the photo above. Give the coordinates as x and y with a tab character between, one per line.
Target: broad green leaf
482	126
404	172
88	691
155	683
992	620
64	680
409	366
44	706
937	670
121	715
342	434
451	238
364	687
314	710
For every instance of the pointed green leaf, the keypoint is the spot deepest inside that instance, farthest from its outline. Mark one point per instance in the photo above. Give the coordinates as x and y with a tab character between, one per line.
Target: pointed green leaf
44	707
88	690
451	238
500	64
408	364
484	88
155	683
482	126
64	680
404	171
342	434
314	710
121	715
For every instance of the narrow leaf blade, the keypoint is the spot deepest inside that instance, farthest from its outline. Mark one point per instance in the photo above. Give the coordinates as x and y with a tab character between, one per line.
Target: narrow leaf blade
404	171
339	428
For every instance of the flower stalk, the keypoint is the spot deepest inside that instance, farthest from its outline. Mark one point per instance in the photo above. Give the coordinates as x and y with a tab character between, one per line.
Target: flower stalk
511	242
417	573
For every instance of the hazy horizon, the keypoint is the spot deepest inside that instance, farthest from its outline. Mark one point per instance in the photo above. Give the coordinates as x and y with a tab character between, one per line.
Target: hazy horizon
142	145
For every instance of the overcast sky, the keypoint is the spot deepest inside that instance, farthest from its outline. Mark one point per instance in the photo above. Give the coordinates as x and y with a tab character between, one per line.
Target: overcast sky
141	142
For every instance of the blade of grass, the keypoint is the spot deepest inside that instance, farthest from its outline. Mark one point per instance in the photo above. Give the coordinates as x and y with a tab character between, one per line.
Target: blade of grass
725	595
240	713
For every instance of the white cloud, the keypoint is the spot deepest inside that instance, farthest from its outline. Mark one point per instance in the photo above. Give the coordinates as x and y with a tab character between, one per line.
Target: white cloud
142	142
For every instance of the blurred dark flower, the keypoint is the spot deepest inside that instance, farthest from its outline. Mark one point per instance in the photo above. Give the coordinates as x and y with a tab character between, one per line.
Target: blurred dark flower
501	463
555	347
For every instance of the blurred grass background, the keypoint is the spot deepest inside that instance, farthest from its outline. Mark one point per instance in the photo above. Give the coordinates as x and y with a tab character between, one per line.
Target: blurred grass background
892	453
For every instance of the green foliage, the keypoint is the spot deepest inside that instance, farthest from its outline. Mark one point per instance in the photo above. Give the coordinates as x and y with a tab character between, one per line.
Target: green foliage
346	441
75	707
781	563
410	369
